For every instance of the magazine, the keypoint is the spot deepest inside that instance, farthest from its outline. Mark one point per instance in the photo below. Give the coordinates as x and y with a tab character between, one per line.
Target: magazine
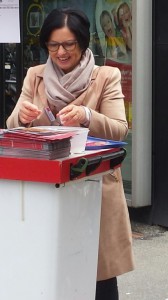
35	142
98	143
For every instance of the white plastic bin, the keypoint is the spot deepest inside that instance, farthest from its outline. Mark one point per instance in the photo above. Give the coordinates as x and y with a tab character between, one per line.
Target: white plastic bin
49	240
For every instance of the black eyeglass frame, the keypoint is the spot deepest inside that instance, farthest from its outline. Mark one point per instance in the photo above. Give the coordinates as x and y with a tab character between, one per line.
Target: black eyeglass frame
65	45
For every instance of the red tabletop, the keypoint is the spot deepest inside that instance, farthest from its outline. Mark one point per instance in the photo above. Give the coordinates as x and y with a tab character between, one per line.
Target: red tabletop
51	171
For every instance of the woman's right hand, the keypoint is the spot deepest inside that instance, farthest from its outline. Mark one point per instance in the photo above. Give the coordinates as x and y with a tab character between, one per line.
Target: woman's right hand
28	112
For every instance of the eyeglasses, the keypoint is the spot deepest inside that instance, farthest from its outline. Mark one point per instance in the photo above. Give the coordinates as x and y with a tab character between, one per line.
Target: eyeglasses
68	45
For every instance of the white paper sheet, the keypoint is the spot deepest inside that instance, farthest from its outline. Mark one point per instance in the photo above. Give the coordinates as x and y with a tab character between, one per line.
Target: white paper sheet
9	21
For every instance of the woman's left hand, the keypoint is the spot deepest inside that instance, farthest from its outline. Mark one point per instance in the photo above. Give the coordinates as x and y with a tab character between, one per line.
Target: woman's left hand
72	115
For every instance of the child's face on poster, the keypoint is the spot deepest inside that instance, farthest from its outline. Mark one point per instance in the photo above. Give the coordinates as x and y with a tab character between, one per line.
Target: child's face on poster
125	15
107	26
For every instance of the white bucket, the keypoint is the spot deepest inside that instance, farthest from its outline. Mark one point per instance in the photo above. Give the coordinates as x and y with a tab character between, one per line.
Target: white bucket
78	141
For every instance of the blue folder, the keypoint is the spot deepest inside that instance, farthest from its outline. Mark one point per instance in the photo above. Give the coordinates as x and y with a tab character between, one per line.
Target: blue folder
97	143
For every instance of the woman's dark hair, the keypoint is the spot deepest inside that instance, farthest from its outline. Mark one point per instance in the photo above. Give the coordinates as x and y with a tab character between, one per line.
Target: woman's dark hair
75	20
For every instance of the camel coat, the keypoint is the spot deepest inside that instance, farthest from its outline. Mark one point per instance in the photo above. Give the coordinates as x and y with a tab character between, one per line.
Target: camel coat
105	100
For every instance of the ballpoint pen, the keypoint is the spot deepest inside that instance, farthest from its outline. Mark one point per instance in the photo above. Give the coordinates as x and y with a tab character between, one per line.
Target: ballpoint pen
54	120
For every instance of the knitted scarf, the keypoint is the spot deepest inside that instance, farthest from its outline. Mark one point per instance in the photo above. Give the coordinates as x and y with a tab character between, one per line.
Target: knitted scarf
61	88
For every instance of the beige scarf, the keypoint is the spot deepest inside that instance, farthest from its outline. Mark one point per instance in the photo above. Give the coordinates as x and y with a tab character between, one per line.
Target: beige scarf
61	88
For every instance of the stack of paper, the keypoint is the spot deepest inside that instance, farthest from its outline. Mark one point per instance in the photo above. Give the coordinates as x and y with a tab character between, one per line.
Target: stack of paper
35	142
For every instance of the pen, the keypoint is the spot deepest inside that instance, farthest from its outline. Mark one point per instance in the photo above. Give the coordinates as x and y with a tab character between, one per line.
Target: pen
51	117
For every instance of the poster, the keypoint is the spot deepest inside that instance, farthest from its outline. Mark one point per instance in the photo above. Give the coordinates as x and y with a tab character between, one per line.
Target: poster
9	21
114	29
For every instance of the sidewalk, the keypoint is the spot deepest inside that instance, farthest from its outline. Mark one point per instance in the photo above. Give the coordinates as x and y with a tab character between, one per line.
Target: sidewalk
149	280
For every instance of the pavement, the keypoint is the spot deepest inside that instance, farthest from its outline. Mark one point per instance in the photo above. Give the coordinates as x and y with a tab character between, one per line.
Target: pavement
149	280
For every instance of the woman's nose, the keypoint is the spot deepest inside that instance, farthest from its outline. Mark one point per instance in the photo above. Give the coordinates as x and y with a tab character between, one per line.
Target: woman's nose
61	49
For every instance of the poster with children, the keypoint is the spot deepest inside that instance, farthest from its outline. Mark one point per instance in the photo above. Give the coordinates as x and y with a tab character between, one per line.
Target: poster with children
114	28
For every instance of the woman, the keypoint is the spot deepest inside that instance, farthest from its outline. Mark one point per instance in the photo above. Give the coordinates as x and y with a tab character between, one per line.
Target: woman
82	94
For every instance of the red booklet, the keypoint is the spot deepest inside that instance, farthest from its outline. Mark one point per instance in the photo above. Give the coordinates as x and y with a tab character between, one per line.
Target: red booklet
35	142
35	133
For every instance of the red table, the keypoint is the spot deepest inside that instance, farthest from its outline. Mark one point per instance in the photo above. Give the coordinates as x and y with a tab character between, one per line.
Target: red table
49	225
